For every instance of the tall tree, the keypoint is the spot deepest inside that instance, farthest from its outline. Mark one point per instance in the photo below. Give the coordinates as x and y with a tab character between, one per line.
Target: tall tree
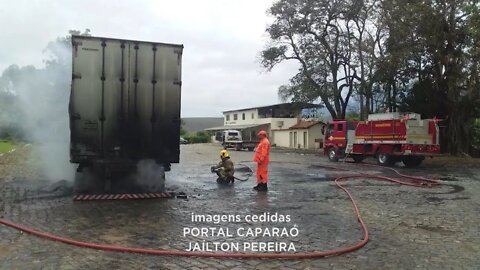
369	35
433	45
316	34
38	97
337	43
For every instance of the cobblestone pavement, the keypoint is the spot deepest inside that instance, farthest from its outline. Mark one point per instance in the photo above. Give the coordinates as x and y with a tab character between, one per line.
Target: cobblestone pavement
410	228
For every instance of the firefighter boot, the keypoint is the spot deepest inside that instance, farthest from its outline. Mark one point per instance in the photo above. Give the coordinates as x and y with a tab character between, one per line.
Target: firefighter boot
257	187
221	180
263	187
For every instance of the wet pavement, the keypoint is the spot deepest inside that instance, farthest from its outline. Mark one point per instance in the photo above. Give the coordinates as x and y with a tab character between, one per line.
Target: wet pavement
409	227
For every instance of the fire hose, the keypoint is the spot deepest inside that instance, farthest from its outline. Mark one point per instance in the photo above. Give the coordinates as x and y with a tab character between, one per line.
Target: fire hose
416	182
250	172
241	163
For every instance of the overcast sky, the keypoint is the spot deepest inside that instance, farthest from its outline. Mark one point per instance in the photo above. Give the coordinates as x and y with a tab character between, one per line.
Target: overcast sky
222	39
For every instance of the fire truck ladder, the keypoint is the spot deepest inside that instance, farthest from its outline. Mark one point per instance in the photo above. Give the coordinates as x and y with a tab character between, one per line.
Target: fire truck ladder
350	140
348	151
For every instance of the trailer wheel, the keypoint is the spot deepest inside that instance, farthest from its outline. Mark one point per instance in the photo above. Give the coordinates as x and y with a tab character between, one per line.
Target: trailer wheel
358	158
88	182
149	177
251	148
332	155
412	161
385	160
238	147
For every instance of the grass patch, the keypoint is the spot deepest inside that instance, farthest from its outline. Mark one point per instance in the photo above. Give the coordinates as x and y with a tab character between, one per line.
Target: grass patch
197	137
6	146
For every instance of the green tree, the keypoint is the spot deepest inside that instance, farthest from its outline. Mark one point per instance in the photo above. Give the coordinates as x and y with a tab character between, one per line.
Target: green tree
183	132
475	136
336	44
198	137
433	48
316	35
34	101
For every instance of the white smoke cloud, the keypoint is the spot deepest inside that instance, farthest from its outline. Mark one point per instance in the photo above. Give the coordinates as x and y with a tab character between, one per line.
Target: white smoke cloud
41	110
150	176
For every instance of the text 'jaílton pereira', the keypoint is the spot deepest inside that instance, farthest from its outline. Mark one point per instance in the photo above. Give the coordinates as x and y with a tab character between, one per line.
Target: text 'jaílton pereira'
254	236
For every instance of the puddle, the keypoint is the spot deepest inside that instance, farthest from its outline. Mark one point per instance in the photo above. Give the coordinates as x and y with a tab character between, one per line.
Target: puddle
325	178
436	229
447	178
455	189
436	199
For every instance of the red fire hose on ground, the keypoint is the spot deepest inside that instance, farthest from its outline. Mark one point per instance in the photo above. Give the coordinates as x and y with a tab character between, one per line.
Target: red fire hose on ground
416	182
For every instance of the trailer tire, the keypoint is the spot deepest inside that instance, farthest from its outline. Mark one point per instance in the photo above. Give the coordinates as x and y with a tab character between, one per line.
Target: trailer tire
149	177
412	161
358	158
251	148
332	155
88	182
238	147
385	160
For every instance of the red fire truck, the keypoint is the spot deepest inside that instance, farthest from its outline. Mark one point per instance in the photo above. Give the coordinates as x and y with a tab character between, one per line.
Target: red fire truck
389	137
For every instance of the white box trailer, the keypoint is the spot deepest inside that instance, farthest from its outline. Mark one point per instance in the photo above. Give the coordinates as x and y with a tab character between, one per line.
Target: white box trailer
124	104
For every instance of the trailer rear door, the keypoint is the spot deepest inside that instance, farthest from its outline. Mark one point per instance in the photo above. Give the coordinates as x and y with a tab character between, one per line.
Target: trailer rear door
125	99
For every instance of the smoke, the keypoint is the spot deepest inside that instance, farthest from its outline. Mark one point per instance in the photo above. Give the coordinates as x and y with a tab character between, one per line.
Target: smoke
40	109
150	176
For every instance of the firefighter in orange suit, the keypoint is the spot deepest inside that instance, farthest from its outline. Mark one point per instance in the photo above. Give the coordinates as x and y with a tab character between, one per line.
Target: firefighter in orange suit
262	158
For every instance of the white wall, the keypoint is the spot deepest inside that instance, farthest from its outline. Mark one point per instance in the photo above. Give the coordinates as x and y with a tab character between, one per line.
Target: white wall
248	117
287	122
314	132
281	138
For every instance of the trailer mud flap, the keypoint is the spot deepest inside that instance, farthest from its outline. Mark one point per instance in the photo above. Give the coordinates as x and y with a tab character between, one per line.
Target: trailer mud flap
132	196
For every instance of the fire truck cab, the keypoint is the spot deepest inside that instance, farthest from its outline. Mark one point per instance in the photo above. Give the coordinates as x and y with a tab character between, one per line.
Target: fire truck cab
389	137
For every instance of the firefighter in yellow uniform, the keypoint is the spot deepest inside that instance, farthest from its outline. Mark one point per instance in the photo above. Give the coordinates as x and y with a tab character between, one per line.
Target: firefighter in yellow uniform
224	169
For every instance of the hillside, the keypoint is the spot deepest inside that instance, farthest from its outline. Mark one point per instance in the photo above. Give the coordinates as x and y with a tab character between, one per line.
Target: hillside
193	124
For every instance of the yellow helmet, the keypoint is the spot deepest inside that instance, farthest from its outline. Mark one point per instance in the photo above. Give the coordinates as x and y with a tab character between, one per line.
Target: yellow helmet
224	154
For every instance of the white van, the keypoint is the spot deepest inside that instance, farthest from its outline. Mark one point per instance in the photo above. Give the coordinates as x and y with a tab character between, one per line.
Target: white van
233	139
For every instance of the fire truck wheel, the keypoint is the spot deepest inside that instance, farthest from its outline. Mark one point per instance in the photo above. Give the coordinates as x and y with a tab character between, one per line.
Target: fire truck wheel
332	155
412	161
385	160
358	158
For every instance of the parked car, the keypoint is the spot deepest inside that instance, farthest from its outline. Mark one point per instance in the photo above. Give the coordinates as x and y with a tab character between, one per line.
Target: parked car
234	139
183	140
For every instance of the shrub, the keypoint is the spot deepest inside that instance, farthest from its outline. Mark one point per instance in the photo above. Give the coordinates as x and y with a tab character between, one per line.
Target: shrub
183	132
475	133
198	137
